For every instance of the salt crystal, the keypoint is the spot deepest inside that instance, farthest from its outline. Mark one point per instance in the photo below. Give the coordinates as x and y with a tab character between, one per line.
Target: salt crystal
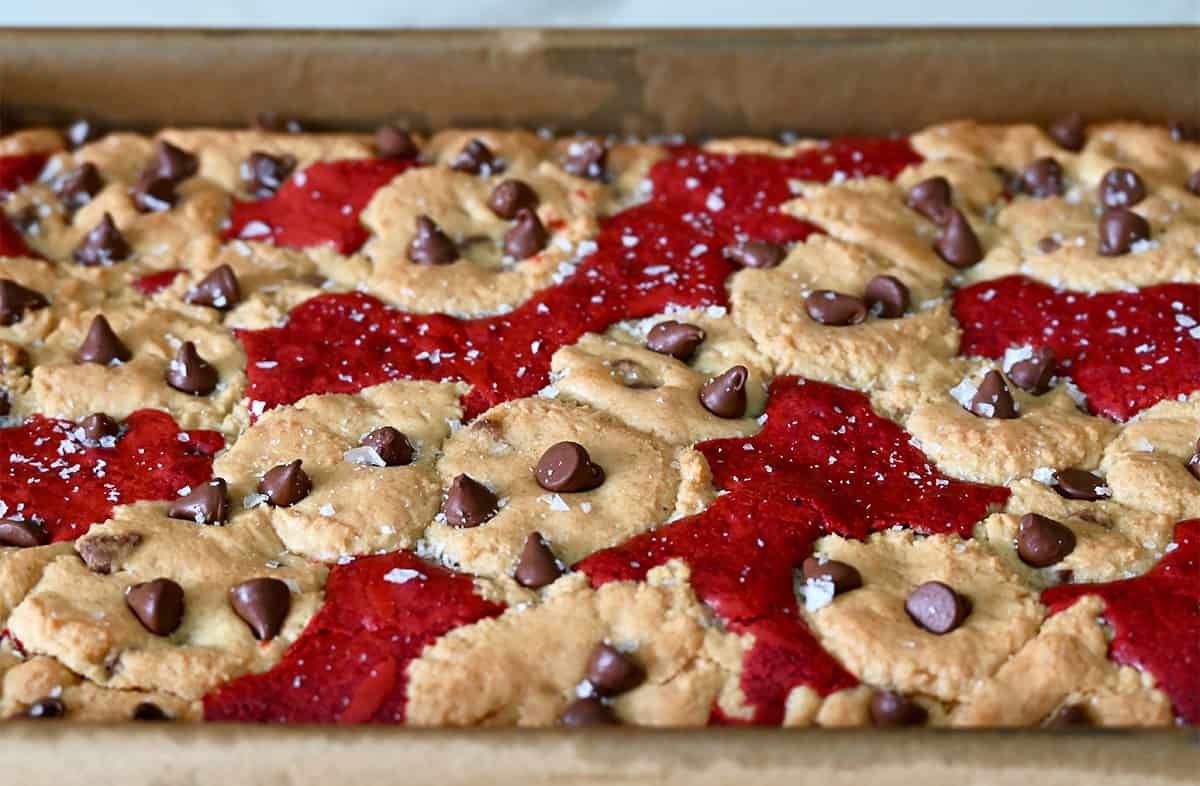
817	592
365	456
402	575
556	502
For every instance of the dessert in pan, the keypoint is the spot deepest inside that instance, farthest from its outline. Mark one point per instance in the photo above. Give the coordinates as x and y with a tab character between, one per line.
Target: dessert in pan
490	427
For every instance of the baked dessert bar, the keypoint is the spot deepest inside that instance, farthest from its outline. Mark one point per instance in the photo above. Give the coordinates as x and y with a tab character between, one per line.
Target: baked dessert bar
491	427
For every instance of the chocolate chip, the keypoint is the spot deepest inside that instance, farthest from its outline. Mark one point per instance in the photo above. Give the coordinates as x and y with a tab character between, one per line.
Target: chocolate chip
835	309
394	142
475	158
154	194
1048	245
206	504
285	484
587	712
391	445
611	671
538	566
469	503
1183	131
1193	183
1042	541
15	300
937	608
190	373
81	132
149	711
100	551
46	709
157	604
1120	228
22	534
930	198
27	219
1043	178
844	577
5	403
96	427
1034	373
889	708
1080	484
219	290
1070	715
1069	131
993	398
566	466
526	237
174	163
958	245
276	123
758	254
509	196
887	296
76	189
431	246
725	394
101	345
586	158
677	339
1121	187
264	173
263	604
103	245
1193	465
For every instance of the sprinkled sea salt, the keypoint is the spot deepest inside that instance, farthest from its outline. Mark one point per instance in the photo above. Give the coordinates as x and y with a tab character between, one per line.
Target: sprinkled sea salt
1044	475
402	575
964	392
556	502
818	593
365	456
254	500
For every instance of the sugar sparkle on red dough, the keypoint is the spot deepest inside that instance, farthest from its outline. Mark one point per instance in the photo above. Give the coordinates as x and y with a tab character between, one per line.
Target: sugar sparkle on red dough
1125	350
48	474
350	663
1155	619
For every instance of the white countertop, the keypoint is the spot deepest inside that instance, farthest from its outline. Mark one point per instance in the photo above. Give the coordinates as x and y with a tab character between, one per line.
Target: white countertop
593	13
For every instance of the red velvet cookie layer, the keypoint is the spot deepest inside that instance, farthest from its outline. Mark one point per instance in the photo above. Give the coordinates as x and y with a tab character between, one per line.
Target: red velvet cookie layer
824	462
153	283
1155	619
1125	350
318	206
349	665
701	203
49	475
825	446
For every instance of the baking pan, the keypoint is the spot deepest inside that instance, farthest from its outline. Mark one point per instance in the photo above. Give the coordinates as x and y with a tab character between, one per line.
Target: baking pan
632	81
695	82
